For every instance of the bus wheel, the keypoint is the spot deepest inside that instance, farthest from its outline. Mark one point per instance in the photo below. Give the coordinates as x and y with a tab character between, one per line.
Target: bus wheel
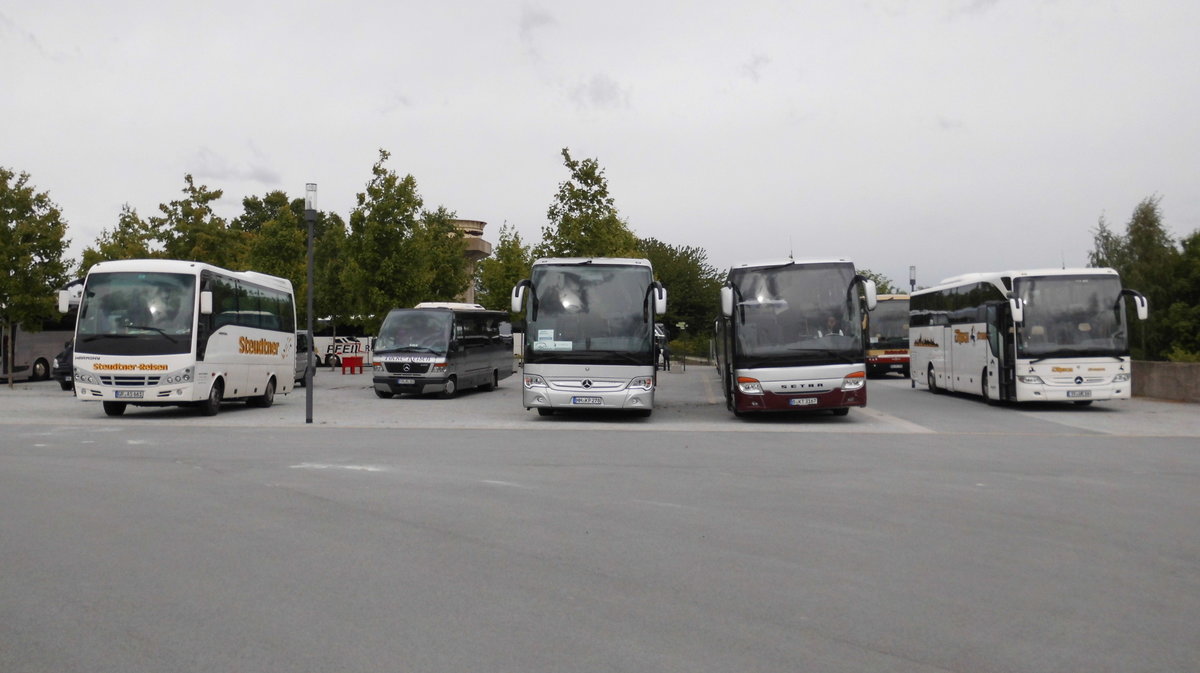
987	396
545	411
493	381
41	371
114	408
212	405
840	411
932	381
383	394
267	398
1083	403
451	387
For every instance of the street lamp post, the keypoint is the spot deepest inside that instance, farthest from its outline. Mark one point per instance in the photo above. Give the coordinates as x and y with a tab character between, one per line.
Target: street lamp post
310	217
912	279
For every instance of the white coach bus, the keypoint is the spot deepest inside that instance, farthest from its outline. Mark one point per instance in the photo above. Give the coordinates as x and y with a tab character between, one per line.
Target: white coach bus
1053	335
589	334
154	332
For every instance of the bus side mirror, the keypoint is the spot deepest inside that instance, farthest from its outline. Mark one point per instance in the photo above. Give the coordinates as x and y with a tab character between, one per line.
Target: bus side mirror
872	295
1017	307
660	300
64	301
727	301
1139	301
518	299
206	302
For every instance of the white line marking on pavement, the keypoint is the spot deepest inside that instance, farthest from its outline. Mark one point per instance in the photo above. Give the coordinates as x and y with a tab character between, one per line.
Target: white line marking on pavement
493	482
327	466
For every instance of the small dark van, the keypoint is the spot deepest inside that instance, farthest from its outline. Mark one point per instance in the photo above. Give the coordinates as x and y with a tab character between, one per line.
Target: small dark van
442	348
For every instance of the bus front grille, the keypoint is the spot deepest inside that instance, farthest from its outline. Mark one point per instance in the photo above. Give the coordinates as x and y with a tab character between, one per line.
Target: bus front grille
130	381
406	367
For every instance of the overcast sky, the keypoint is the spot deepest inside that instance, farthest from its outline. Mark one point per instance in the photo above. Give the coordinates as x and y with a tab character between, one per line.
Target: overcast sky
953	135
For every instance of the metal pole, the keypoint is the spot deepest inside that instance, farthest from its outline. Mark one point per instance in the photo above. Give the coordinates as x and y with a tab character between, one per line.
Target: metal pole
310	216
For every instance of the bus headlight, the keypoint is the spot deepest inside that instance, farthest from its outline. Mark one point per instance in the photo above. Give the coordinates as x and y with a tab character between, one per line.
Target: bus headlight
534	381
1035	380
854	381
643	382
749	386
1121	378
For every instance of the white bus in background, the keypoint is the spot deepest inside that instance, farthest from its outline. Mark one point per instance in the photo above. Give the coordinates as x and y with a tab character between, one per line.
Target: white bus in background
790	336
154	332
34	350
1051	335
589	334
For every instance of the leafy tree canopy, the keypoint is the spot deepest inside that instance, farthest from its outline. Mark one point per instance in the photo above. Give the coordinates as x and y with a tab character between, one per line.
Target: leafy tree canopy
499	273
32	243
397	254
583	219
693	285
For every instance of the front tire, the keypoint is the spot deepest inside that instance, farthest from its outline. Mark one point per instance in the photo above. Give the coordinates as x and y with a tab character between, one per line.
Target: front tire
451	387
212	405
383	394
545	411
931	380
840	411
41	371
114	408
267	398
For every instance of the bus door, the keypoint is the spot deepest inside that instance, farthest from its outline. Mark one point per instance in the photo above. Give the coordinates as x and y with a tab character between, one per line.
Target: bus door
1001	351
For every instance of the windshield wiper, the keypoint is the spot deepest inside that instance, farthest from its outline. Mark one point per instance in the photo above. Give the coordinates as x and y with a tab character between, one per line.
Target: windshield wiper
154	329
93	337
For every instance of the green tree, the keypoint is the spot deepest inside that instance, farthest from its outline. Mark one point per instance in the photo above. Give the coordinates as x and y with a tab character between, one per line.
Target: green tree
131	238
584	221
693	286
883	284
32	244
190	230
397	255
507	266
276	239
1148	261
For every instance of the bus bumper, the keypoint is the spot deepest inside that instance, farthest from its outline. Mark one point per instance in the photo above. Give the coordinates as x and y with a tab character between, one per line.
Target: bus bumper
769	401
410	385
1074	393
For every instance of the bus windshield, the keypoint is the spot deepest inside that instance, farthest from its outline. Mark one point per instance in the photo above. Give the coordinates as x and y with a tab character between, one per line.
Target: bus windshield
798	312
889	324
590	312
1071	316
137	313
415	330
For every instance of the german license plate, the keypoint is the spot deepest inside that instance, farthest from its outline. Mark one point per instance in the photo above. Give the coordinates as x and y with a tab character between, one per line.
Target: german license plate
404	382
802	401
587	400
129	394
1079	393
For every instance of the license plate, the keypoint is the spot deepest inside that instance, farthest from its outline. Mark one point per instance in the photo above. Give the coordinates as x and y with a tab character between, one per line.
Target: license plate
587	400
404	382
1079	393
802	401
129	394
897	366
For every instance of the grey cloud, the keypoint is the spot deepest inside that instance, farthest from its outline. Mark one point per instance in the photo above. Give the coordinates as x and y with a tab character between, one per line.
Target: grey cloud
532	19
601	91
210	165
753	68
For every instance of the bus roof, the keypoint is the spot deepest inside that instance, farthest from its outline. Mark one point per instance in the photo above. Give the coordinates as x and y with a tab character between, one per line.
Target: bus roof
462	306
787	262
996	277
616	261
182	266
